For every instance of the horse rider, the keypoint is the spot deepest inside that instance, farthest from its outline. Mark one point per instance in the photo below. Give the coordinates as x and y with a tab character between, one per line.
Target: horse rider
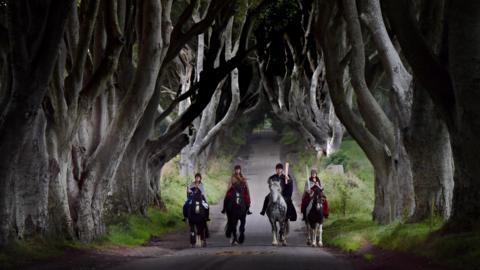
287	190
196	184
237	179
312	183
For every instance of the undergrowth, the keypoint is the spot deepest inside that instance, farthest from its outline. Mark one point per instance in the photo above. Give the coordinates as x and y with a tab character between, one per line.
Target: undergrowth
136	229
129	229
351	196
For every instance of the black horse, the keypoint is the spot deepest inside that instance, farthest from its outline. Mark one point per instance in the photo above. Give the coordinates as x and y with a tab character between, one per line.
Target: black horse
236	211
314	219
197	219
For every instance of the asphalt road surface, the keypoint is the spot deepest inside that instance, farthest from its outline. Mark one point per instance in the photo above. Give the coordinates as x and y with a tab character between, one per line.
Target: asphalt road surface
258	160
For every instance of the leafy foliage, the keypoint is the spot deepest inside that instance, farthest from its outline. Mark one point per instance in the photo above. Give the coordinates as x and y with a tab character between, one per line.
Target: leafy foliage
279	15
136	230
338	158
290	137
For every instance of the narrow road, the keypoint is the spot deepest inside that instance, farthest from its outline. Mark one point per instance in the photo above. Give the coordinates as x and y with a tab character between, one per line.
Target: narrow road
258	161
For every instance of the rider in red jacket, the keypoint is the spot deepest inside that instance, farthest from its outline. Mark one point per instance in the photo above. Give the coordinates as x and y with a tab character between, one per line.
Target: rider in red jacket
313	183
238	183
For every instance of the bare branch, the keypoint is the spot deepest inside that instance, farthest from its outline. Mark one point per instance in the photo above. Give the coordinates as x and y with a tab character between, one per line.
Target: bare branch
426	67
75	78
109	63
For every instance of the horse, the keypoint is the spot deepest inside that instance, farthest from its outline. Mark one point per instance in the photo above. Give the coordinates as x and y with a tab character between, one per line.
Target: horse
314	219
197	219
236	211
277	213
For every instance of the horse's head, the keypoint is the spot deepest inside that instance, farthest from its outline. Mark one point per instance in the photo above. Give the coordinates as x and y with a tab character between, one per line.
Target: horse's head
317	199
275	189
196	193
197	199
238	193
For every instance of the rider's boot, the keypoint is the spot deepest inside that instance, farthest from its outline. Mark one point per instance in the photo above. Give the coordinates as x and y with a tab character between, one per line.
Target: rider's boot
265	204
207	232
224	205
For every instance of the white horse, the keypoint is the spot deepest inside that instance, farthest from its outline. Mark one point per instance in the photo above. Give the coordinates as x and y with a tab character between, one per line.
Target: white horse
314	220
277	213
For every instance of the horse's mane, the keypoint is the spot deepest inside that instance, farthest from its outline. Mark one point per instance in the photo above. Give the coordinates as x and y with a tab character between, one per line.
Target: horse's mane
274	193
238	186
317	194
197	194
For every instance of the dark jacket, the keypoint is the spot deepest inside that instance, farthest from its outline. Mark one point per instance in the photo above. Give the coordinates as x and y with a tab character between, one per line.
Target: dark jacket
287	188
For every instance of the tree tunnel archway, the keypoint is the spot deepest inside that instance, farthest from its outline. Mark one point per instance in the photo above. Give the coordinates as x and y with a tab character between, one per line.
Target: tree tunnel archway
112	91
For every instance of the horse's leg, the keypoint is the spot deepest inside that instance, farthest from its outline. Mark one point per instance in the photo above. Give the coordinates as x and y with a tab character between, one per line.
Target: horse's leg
242	229
274	232
286	228
228	233
320	233
314	231
192	235
309	233
204	234
283	233
234	232
199	235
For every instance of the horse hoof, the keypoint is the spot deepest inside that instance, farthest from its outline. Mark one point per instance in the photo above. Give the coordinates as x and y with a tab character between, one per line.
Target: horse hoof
204	244
320	244
284	244
241	239
274	244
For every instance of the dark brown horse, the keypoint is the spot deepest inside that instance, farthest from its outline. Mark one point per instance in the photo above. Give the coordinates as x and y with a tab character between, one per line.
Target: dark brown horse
314	219
236	211
197	219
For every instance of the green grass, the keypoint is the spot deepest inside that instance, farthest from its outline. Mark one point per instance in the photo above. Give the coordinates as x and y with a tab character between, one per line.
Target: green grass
348	194
36	248
351	233
134	230
129	230
459	251
357	163
368	257
351	198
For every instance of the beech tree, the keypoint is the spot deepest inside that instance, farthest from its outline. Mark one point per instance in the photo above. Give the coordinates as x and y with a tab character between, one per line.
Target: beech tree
28	59
293	76
99	93
452	88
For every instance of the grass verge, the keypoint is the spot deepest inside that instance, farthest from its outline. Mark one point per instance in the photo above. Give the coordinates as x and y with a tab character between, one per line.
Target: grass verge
351	196
135	229
128	230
